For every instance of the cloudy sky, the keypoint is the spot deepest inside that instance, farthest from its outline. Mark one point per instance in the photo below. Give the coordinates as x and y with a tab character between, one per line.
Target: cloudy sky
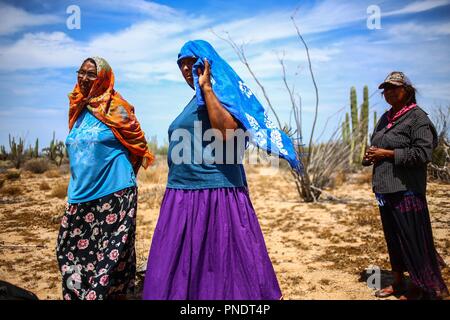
39	54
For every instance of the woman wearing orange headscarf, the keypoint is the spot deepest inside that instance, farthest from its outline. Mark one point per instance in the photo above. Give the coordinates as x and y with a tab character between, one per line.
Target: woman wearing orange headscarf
106	148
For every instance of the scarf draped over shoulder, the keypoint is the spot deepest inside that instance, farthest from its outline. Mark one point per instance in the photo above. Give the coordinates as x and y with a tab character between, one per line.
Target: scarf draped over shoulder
108	106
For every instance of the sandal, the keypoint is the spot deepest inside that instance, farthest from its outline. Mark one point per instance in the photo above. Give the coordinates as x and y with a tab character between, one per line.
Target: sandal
390	291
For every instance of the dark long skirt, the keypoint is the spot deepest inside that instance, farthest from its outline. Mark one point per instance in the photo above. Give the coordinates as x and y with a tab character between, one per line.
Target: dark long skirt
95	249
208	245
409	239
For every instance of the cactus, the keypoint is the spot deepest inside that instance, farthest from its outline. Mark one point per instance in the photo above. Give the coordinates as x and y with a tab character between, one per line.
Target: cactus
354	115
36	149
346	129
56	151
358	136
17	151
375	120
3	153
364	124
29	152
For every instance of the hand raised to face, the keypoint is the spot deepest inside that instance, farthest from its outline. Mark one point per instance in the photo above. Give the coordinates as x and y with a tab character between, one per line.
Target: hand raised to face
204	76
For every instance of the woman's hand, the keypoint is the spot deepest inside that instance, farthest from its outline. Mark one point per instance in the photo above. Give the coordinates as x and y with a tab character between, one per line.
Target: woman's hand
204	77
219	117
375	154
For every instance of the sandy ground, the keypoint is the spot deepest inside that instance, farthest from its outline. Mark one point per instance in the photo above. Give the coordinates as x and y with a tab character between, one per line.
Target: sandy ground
319	251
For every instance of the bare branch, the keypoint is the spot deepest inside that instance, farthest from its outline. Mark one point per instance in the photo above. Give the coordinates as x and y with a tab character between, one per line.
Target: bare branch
239	50
312	77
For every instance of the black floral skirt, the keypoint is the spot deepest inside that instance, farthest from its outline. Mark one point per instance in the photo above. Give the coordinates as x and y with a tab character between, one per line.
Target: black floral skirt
96	247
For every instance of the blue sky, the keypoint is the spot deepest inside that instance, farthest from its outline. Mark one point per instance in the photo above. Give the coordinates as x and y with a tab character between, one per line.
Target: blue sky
39	55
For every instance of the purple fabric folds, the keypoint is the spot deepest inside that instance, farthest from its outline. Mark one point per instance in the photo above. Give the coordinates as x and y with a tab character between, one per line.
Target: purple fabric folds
208	245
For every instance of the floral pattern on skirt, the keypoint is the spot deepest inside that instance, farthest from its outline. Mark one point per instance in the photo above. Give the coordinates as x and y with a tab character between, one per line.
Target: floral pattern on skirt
96	247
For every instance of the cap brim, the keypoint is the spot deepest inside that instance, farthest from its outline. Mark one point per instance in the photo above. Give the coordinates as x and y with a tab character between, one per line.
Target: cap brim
398	84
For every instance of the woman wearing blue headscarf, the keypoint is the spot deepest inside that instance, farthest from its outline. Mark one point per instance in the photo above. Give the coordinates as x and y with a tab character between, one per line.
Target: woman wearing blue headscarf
208	244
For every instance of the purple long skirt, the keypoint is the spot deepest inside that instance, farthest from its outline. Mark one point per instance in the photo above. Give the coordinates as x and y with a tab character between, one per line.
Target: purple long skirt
208	245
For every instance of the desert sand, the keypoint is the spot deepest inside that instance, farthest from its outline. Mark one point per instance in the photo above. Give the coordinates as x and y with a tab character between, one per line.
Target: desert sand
319	250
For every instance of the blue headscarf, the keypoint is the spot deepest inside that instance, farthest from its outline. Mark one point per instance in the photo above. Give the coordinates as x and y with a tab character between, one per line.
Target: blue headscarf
240	101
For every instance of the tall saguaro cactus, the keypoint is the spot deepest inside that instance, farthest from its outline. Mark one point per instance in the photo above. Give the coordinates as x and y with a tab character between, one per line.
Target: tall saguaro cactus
375	120
354	115
346	129
364	123
36	148
3	153
357	137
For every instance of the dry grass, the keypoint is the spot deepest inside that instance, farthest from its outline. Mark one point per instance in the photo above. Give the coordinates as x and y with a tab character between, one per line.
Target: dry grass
37	166
54	173
318	250
12	190
152	196
59	190
364	177
155	174
339	179
5	164
44	186
13	174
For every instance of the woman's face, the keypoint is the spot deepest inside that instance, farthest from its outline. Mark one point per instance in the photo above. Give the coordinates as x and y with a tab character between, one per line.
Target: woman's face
394	95
186	70
86	77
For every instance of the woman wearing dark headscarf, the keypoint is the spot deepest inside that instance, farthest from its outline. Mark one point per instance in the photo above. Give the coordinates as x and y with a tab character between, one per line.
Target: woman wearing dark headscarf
106	148
402	144
208	244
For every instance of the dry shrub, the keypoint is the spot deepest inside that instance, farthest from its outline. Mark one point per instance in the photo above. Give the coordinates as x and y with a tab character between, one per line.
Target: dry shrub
364	177
337	180
152	197
37	165
13	174
156	174
64	168
44	186
5	164
12	190
59	190
53	173
340	178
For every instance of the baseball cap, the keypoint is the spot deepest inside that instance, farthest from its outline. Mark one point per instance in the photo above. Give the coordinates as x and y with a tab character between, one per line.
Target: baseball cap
396	78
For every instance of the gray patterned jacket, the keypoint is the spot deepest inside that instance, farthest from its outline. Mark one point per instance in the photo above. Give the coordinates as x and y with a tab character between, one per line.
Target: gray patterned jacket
413	138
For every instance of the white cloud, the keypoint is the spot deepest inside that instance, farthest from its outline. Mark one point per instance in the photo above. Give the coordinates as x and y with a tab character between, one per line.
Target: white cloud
14	19
417	31
418	6
148	8
42	50
325	16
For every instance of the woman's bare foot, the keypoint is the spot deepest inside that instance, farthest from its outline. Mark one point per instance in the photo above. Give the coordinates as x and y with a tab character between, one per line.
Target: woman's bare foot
414	293
393	289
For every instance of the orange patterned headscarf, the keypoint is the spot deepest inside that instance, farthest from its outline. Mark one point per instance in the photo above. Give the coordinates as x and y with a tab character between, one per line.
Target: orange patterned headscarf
108	106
